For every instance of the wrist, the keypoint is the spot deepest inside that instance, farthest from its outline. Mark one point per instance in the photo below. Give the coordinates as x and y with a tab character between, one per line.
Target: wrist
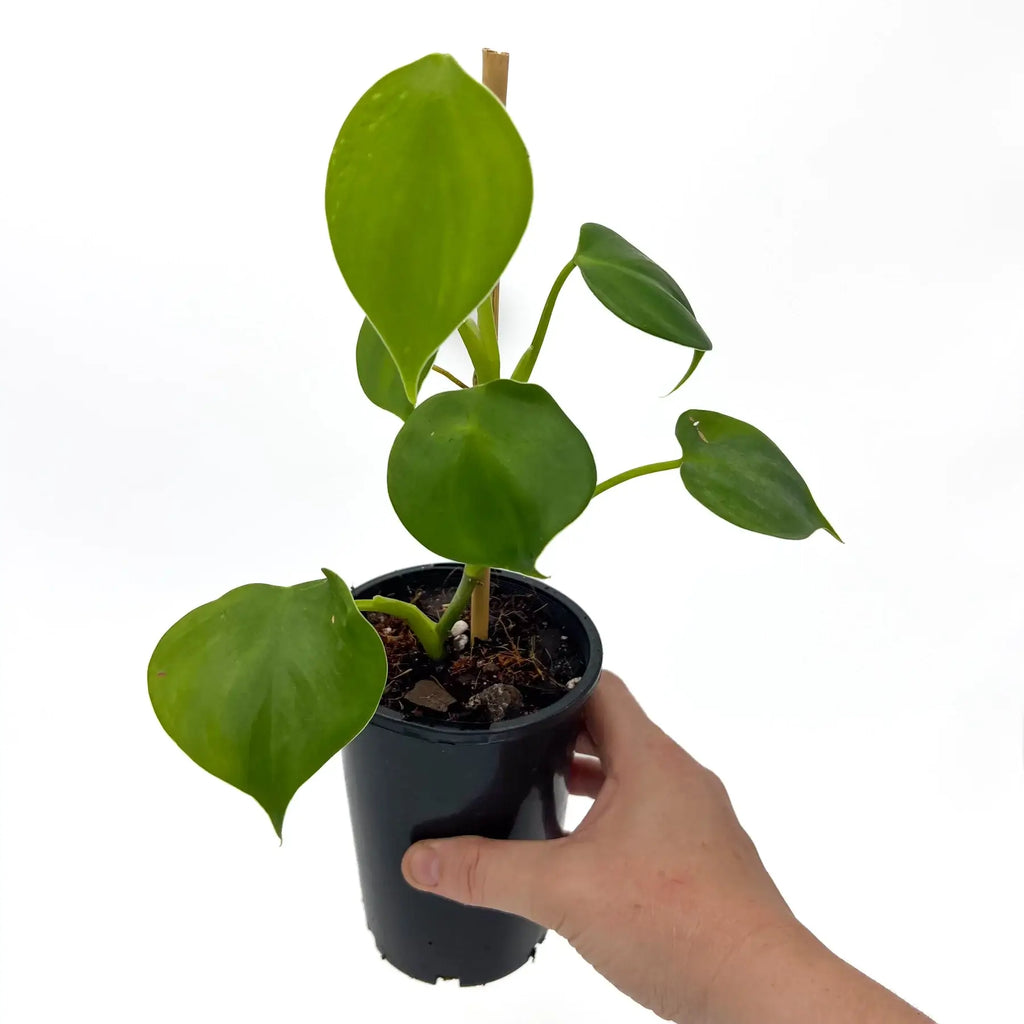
782	974
748	977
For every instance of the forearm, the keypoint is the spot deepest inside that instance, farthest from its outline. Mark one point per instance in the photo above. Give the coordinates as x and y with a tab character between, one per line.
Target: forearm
786	976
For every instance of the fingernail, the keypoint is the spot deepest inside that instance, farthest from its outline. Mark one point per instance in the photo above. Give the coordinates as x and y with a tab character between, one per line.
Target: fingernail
425	866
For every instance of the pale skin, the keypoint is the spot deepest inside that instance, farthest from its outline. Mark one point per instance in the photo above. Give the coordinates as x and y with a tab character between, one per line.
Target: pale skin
660	889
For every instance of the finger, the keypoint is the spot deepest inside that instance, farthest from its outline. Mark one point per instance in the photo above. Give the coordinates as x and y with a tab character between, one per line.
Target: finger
585	745
616	723
586	776
503	874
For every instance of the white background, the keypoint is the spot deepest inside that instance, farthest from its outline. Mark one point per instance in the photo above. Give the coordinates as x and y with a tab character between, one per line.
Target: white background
838	189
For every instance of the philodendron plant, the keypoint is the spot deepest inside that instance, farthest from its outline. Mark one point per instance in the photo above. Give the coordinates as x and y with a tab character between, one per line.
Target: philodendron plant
428	194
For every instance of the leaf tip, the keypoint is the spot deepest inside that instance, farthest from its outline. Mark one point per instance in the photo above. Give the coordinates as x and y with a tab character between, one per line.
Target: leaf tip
828	528
276	815
698	355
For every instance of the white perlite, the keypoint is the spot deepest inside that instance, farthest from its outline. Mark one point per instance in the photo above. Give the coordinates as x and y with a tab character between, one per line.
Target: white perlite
460	627
572	682
460	642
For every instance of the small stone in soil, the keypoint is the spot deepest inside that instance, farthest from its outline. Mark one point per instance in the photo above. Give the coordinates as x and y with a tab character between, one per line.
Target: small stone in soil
497	700
428	693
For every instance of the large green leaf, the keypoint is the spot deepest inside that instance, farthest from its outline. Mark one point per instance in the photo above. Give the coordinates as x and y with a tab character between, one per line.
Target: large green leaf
428	194
264	685
635	288
378	375
490	474
740	474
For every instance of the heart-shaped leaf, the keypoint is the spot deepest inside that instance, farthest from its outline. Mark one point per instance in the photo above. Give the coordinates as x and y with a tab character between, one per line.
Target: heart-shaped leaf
378	375
740	474
635	288
264	685
489	475
428	194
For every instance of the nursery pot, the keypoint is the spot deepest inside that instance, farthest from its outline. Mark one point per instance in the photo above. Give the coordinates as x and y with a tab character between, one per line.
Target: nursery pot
409	780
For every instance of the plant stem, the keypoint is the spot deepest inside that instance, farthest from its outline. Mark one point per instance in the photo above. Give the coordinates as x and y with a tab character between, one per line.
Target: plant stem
424	628
430	634
526	362
488	340
472	575
485	366
652	467
450	376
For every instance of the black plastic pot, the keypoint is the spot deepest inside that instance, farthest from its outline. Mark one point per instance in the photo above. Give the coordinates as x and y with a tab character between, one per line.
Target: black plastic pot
410	780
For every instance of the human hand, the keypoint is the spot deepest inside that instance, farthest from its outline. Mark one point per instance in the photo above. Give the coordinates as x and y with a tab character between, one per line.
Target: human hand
658	884
659	887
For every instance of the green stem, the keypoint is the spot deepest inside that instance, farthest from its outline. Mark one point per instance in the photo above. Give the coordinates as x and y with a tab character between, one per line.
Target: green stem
429	633
652	467
529	358
471	339
451	376
471	576
489	339
484	363
424	628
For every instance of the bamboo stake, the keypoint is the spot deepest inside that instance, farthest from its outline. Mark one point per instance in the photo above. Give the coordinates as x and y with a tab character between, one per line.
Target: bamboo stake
495	77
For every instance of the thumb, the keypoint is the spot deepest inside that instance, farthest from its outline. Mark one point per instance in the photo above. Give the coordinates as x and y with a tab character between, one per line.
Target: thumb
514	875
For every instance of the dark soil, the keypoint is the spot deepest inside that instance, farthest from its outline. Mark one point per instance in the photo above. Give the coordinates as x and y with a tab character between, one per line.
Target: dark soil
525	664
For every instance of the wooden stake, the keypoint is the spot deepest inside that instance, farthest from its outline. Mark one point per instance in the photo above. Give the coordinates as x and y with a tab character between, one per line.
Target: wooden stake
496	73
495	77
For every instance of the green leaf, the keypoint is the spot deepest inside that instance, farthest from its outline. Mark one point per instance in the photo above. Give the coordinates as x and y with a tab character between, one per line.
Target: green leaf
379	376
489	475
694	362
736	471
264	685
636	289
428	194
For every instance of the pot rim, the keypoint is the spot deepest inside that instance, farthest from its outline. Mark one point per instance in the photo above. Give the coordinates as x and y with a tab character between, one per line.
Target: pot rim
497	732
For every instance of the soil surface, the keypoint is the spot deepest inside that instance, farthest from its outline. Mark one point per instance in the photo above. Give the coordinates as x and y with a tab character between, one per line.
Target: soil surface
525	664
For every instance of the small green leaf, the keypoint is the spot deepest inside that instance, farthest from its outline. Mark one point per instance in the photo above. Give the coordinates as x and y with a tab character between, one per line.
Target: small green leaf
428	194
489	475
736	471
379	376
694	362
636	289
264	685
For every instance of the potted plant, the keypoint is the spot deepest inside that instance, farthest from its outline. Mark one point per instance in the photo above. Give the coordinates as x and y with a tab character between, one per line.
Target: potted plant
449	726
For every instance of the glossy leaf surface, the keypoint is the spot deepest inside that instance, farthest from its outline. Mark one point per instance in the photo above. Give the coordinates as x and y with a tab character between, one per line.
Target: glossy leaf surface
378	374
264	685
635	288
428	193
740	474
489	475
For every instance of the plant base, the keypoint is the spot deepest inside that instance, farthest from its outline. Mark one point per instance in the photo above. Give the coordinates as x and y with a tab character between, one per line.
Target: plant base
409	780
